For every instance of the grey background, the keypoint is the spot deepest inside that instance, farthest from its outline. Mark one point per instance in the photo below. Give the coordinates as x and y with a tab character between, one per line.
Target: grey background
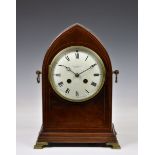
115	23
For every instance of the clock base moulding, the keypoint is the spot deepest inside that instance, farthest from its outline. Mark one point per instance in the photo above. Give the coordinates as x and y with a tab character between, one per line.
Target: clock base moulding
108	139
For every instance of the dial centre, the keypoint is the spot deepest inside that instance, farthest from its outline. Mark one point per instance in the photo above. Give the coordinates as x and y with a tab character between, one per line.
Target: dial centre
76	75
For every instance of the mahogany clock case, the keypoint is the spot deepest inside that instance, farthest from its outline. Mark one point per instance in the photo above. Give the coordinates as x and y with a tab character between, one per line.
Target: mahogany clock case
68	122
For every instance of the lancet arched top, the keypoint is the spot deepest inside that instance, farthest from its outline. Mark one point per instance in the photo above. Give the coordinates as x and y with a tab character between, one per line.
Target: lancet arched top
76	35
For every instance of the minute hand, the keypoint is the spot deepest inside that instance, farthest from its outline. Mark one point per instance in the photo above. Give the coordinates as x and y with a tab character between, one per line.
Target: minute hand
88	68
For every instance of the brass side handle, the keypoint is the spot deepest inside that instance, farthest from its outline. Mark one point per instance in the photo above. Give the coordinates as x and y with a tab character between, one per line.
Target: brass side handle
38	76
116	72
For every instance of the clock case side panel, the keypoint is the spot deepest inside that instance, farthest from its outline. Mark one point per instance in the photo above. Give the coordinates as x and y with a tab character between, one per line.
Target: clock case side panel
77	35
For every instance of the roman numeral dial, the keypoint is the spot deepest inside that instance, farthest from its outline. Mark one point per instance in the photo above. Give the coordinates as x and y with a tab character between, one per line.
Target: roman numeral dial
77	93
94	84
86	90
57	74
67	91
86	58
77	54
67	58
77	74
60	84
96	74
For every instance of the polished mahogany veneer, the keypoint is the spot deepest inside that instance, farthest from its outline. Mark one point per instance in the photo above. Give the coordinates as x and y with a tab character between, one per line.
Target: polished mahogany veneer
68	122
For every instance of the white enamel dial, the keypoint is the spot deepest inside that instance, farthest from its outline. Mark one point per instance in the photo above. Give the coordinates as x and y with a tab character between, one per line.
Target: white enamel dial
77	73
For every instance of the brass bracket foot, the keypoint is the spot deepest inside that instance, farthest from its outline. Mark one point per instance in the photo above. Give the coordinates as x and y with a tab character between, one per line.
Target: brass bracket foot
40	145
114	145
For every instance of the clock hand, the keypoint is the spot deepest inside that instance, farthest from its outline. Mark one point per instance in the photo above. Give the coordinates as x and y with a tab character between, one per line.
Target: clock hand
88	68
68	69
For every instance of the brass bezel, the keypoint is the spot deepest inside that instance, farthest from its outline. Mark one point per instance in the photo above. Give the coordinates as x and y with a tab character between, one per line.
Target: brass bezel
54	61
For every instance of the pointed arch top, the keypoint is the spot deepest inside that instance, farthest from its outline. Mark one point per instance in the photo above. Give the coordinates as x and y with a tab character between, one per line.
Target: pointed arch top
77	35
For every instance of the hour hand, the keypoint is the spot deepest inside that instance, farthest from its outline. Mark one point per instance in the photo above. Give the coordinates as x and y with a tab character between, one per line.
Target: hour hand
68	68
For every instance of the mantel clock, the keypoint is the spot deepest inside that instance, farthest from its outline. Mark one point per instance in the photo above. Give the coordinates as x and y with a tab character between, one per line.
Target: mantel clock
77	91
